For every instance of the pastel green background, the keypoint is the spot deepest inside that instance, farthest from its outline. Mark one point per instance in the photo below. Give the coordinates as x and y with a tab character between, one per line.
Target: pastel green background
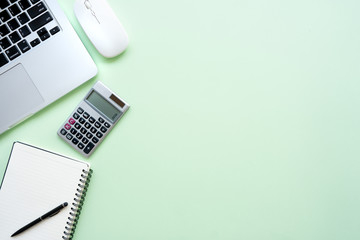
244	123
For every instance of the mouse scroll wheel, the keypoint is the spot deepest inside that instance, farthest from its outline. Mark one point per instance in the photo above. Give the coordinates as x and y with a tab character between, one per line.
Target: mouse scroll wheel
87	4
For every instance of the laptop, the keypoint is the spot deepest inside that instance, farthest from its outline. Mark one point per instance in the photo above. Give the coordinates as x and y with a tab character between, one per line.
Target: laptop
41	58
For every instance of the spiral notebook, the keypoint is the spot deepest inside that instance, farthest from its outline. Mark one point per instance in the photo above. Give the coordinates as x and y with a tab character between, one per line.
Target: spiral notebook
35	182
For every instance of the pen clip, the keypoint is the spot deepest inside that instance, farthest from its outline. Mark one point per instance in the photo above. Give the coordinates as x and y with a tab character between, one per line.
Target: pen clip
54	213
45	217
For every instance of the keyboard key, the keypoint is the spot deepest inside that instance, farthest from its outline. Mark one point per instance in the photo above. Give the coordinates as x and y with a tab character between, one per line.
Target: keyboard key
54	30
101	120
4	30
13	52
35	42
91	119
85	140
34	1
14	10
24	46
5	16
14	37
86	115
5	43
107	125
67	126
99	134
81	146
97	124
3	60
43	34
77	126
13	24
37	10
88	148
23	18
12	1
40	21
24	4
4	4
24	31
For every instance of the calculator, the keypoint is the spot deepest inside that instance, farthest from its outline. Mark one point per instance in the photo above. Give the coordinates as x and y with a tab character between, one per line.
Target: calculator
93	119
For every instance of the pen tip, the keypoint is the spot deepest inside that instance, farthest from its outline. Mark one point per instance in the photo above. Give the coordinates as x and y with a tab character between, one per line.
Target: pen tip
65	204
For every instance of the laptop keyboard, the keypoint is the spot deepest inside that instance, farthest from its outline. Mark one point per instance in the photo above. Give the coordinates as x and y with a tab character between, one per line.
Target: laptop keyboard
24	24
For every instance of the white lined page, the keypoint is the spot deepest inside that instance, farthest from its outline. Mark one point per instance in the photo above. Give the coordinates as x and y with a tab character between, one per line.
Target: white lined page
35	182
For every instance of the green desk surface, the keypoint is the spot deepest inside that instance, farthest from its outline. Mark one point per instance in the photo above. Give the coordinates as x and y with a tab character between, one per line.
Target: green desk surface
244	123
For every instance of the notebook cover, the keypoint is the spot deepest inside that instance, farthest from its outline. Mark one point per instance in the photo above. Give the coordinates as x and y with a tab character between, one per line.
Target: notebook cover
35	182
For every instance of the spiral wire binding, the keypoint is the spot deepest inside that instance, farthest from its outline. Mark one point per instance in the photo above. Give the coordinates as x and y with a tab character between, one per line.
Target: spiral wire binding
76	206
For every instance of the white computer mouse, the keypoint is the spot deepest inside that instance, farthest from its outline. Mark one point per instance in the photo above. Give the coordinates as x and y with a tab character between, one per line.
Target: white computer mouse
102	27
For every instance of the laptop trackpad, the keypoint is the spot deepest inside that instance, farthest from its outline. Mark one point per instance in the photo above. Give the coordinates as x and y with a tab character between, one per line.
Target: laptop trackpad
18	95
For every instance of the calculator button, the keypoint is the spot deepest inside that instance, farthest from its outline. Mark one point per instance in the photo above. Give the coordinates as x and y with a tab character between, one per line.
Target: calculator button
76	116
79	136
103	129
63	132
72	121
69	136
101	120
83	131
87	125
99	134
73	131
67	126
89	147
95	140
89	135
91	119
77	126
80	110
107	125
93	130
86	115
85	140
75	141
97	124
81	120
81	146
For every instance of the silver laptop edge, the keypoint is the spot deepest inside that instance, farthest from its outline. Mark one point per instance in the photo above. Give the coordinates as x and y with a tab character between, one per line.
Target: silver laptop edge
45	73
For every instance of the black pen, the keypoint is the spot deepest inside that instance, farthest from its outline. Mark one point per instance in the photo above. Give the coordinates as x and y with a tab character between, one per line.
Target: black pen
43	217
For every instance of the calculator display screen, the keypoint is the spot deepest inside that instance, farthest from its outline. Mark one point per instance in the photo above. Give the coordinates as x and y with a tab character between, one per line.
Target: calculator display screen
103	106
